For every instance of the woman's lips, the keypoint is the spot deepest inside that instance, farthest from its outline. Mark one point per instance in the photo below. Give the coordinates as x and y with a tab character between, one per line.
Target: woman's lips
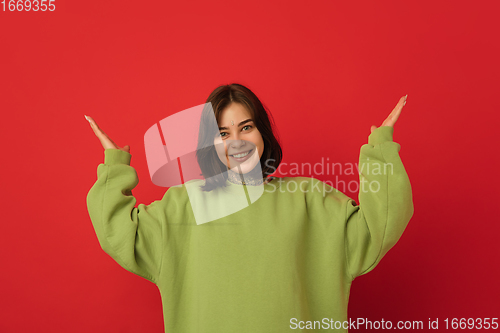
244	158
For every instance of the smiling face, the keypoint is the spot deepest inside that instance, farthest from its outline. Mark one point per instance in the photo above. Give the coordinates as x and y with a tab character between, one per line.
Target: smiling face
238	135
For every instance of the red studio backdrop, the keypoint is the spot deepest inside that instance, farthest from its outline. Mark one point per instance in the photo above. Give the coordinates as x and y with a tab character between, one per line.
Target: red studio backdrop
327	71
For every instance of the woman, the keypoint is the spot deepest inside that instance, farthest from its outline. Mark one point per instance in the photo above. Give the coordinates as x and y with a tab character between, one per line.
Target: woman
275	254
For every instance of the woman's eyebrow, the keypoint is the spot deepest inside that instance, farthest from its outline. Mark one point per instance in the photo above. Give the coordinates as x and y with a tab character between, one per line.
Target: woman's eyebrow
241	123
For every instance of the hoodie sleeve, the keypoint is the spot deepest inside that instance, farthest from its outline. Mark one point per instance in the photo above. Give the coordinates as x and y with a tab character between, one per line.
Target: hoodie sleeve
131	236
385	203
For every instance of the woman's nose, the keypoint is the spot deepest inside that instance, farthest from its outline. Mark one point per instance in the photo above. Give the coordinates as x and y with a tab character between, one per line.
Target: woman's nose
237	143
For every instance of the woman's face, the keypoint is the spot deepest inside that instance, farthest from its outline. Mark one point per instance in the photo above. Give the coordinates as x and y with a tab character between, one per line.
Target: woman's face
238	135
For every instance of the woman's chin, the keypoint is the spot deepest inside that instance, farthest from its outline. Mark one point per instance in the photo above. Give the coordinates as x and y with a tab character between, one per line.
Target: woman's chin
247	166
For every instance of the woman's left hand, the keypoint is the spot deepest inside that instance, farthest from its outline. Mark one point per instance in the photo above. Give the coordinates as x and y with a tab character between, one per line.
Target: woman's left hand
394	115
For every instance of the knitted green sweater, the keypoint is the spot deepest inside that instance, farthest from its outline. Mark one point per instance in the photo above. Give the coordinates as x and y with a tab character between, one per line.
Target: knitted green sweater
282	263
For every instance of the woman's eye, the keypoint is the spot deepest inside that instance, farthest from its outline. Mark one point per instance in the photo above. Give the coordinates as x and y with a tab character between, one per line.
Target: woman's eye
220	134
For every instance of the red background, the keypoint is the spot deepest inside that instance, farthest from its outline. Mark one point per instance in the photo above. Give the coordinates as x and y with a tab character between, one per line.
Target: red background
327	70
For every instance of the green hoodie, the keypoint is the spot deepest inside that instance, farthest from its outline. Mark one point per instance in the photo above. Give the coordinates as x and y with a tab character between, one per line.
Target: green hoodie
283	263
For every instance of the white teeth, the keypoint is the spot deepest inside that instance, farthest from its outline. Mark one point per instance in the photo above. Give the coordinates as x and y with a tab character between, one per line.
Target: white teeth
241	155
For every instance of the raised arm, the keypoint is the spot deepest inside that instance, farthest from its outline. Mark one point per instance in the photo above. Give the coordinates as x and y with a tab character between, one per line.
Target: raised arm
385	200
131	236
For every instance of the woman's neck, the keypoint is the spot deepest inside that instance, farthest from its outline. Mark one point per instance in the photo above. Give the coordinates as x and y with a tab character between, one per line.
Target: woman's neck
253	177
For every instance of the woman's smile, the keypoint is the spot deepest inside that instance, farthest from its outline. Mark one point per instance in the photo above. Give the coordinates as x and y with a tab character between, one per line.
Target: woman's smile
242	157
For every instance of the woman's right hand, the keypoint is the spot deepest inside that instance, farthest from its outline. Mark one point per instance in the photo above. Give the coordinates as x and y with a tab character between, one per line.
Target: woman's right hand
106	142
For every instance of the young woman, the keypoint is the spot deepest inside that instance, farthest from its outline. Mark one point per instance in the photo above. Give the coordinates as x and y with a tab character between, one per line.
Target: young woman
276	254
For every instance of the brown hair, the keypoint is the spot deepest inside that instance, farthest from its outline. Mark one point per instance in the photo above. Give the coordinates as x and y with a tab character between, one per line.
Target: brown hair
212	168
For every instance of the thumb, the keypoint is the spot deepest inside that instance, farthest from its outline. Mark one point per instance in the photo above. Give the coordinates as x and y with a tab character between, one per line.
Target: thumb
126	148
373	128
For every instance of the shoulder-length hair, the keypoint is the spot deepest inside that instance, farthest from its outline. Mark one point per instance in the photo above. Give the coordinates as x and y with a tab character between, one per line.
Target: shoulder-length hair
212	168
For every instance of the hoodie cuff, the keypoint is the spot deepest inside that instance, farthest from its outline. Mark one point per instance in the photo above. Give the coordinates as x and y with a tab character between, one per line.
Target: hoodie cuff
116	156
381	134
